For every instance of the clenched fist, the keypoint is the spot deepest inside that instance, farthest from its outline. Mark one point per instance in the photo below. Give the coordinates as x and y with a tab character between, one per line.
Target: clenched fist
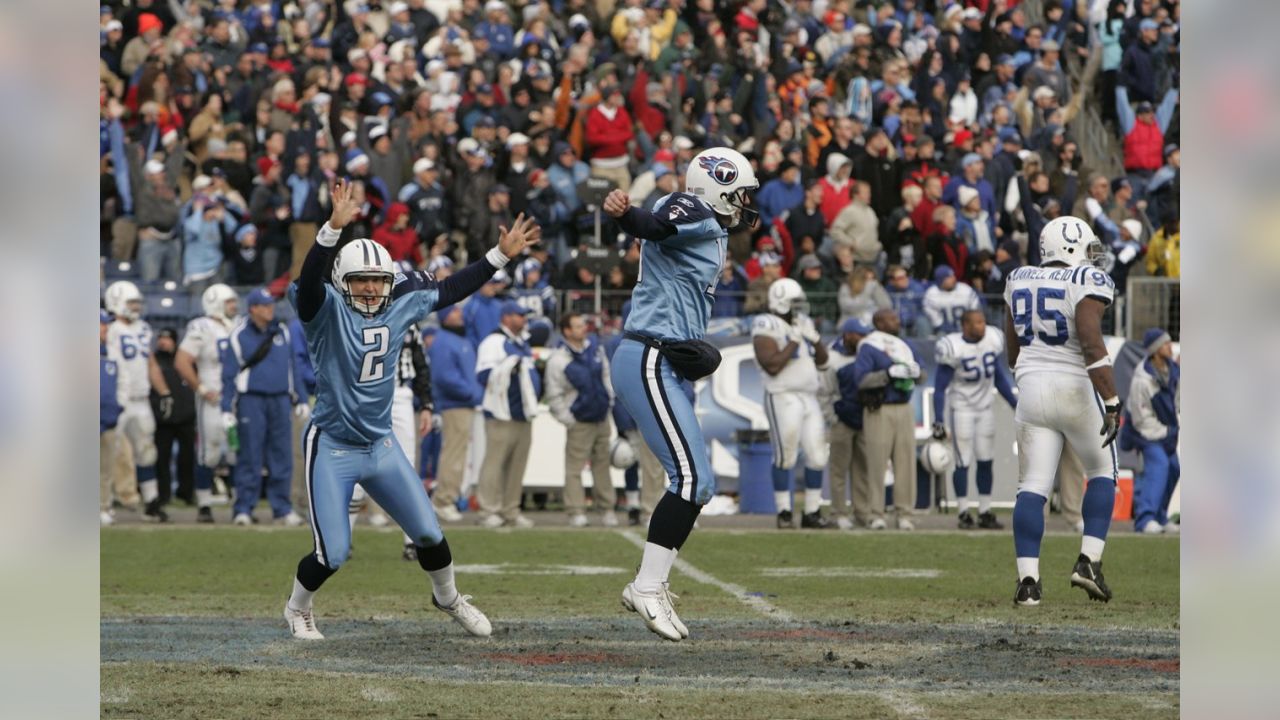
616	204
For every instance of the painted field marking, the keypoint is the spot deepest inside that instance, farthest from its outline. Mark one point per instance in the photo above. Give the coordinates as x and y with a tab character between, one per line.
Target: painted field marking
851	572
904	705
378	695
755	602
517	569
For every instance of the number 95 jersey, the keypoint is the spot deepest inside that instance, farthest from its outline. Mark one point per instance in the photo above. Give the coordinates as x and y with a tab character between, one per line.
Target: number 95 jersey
355	357
1042	301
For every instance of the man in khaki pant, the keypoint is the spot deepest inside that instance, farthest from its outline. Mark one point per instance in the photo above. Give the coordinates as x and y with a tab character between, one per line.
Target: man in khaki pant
847	462
885	372
580	394
456	393
504	365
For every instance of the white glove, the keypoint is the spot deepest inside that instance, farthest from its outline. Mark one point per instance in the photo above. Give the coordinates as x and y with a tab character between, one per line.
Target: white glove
904	371
808	331
228	420
302	411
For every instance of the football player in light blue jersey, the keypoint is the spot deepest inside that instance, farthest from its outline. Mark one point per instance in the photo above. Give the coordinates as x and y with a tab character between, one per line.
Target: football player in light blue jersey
682	251
355	326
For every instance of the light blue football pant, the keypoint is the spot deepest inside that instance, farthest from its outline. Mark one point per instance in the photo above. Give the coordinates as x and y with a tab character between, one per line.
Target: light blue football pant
333	469
650	390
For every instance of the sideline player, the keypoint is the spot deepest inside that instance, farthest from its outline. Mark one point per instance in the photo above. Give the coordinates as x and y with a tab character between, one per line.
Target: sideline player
787	346
968	366
199	363
1066	391
355	327
129	347
684	241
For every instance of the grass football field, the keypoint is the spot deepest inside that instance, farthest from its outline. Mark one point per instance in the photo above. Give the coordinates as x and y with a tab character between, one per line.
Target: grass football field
804	624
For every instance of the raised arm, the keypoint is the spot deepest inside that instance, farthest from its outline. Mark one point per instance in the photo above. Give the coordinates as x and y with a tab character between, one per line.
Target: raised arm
319	259
637	221
524	233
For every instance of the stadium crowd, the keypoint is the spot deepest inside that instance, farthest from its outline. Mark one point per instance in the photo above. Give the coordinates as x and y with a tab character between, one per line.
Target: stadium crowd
909	151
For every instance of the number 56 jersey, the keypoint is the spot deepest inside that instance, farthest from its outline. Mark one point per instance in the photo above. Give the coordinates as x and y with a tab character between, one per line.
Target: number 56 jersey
972	387
1043	303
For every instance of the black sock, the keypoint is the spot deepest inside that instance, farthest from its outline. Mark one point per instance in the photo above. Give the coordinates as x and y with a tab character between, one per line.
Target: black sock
435	557
311	573
672	521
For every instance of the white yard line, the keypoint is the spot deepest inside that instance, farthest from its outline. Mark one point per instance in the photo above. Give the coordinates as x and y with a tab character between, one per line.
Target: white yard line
903	705
759	604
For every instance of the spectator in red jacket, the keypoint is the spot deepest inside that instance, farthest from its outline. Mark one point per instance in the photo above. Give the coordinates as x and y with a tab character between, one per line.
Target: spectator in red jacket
398	236
608	134
922	216
837	188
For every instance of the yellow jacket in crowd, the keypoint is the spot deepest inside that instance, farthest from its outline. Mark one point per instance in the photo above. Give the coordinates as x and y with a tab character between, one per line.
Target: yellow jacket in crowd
1163	254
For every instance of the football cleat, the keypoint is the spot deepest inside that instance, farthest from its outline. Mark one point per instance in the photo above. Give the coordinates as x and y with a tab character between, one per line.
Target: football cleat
448	513
655	609
1088	575
814	520
410	553
466	615
609	519
204	515
302	623
988	521
633	517
1028	592
156	512
965	521
578	520
675	619
784	520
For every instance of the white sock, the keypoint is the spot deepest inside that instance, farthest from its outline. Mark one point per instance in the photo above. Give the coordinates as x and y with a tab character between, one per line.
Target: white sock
1091	547
671	561
812	500
351	520
442	585
203	498
633	499
1029	567
301	597
655	565
984	503
963	504
150	490
782	499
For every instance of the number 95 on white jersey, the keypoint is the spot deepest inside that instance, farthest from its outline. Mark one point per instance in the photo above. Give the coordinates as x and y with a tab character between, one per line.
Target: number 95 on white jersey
1042	301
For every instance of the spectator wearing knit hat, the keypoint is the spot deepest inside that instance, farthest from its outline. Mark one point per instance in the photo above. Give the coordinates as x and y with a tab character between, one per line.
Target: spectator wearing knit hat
837	187
971	175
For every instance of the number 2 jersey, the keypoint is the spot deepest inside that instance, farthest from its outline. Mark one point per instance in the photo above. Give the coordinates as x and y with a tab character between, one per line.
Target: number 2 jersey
356	357
1043	303
975	365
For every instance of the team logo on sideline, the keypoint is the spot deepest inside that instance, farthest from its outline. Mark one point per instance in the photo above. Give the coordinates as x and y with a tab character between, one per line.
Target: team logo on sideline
721	170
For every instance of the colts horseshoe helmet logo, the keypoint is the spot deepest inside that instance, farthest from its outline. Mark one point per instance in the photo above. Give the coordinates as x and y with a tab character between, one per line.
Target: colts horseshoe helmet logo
1067	237
720	170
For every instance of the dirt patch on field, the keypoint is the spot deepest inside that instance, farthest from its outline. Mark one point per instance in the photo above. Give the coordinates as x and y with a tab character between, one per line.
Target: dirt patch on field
845	657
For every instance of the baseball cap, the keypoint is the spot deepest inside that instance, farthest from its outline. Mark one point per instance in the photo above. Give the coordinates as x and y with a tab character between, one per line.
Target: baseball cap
260	296
515	139
114	25
485	121
499	188
511	307
1004	60
484	89
1148	24
561	147
961	137
770	258
942	272
972	13
854	325
660	171
664	156
1153	339
377	131
259	47
970	159
808	262
1050	46
1144	106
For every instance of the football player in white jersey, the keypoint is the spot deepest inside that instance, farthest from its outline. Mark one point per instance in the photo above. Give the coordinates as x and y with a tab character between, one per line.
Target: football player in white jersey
947	300
1066	394
199	363
968	368
789	350
129	345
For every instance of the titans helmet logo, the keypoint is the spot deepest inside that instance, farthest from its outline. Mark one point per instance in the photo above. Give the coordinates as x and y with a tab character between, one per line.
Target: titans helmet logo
721	170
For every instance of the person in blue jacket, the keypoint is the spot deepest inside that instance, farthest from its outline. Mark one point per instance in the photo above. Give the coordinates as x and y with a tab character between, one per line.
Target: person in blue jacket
259	390
482	313
457	393
109	409
1153	411
302	412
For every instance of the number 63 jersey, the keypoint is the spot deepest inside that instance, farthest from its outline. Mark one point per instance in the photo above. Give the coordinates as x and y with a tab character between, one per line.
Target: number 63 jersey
355	357
1042	301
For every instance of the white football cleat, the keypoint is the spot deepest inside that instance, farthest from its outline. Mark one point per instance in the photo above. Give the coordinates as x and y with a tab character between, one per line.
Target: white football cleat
578	520
448	513
491	522
878	524
466	615
609	519
675	619
844	523
654	609
242	519
1152	528
522	522
302	623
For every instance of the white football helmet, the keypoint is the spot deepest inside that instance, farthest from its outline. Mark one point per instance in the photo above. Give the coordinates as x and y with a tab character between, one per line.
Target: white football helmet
621	454
124	300
1070	240
936	457
722	178
363	257
787	297
215	299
